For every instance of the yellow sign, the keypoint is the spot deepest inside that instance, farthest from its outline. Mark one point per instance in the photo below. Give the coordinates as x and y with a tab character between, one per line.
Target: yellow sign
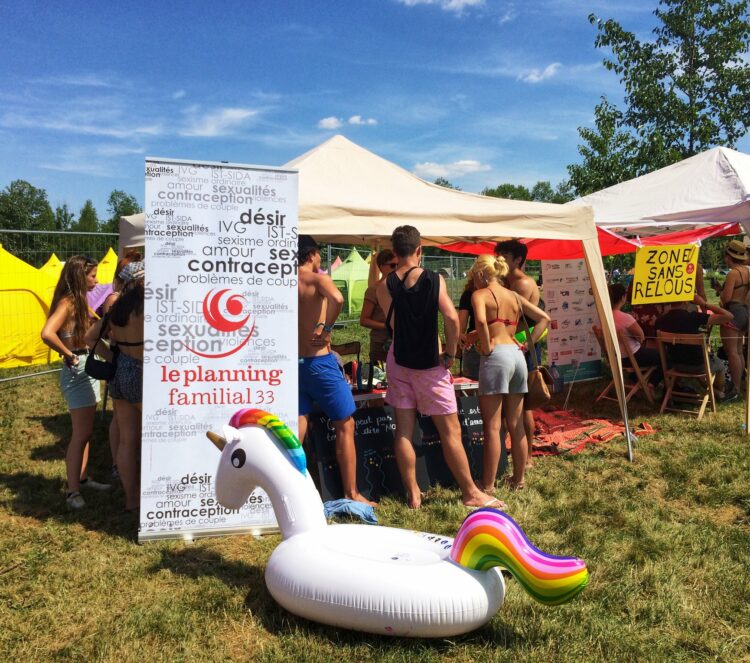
665	274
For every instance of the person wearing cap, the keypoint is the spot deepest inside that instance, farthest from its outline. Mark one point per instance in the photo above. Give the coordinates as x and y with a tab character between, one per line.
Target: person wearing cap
733	296
321	379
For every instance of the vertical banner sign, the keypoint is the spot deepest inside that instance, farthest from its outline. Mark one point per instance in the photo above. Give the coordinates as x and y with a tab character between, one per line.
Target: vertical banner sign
665	274
220	333
569	301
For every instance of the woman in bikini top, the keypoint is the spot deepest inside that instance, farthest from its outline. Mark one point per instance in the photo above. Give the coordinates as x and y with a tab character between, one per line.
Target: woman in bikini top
736	288
498	329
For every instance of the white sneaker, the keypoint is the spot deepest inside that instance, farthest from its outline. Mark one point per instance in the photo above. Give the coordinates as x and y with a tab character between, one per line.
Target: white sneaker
75	501
95	485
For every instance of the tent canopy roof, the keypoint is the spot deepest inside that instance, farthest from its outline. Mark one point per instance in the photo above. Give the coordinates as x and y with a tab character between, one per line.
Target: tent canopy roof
348	194
708	188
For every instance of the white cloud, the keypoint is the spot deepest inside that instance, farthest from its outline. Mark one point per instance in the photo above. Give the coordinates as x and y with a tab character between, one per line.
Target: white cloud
179	94
95	160
358	119
76	80
507	16
219	122
69	123
537	76
330	123
456	6
432	170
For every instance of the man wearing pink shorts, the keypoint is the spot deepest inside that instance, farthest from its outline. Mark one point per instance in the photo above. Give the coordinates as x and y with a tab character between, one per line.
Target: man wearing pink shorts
418	371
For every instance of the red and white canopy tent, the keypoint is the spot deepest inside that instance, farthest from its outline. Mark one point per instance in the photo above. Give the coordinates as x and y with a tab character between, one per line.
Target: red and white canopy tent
707	195
704	196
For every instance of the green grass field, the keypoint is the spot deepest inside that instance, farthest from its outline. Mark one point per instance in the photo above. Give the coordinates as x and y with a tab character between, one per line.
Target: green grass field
666	538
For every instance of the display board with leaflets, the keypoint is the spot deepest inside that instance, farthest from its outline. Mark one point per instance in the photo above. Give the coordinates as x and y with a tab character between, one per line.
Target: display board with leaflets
220	332
569	300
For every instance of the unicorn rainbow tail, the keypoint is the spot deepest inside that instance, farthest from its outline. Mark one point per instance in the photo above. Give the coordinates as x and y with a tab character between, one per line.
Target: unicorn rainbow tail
489	538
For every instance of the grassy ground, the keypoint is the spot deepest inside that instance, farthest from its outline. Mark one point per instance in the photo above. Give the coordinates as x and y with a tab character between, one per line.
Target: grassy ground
667	541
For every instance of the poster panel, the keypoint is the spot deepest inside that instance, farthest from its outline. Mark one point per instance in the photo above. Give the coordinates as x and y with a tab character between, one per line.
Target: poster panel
220	332
665	274
569	301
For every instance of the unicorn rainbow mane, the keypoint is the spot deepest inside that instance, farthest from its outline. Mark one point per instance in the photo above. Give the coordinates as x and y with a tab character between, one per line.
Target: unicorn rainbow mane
282	432
489	537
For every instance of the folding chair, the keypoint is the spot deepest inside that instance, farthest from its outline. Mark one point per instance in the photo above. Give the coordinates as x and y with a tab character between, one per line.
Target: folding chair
641	375
704	378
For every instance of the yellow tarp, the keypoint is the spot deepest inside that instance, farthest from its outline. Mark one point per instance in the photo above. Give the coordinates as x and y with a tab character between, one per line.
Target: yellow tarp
25	296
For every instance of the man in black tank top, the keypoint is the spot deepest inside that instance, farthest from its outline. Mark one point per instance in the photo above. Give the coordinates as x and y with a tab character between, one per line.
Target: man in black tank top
418	372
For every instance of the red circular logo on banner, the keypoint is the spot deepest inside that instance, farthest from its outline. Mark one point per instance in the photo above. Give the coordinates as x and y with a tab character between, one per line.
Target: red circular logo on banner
690	268
225	312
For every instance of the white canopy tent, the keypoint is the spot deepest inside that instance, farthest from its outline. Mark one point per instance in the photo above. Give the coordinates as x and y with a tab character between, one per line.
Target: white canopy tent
710	188
348	194
132	232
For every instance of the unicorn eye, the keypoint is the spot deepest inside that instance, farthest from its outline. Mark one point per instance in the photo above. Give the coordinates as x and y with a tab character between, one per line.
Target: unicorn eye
238	458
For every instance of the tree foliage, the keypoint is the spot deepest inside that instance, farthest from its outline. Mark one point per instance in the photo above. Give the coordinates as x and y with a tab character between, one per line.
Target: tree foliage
120	204
686	90
541	192
24	207
63	217
88	221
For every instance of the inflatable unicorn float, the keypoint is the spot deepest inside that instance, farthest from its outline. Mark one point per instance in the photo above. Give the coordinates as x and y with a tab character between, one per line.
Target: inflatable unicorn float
378	579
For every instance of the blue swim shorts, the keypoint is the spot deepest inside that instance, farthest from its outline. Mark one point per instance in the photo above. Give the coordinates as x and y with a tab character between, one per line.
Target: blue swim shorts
322	381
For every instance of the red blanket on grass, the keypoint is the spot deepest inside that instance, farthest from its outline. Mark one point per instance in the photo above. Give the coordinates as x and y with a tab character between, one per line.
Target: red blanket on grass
564	431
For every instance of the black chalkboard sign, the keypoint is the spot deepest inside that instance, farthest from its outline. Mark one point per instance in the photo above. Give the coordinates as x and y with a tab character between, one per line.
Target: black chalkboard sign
377	473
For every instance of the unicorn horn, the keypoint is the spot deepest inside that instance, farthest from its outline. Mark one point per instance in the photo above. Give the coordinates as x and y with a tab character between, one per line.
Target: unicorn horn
489	537
217	439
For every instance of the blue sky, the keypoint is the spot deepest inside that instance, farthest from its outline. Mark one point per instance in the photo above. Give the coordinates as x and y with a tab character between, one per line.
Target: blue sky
480	92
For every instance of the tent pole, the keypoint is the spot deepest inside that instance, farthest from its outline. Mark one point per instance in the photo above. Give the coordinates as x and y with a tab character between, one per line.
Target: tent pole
747	388
593	257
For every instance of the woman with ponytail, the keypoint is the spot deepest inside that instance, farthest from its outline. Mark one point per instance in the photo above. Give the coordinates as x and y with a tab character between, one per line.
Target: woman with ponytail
64	332
502	367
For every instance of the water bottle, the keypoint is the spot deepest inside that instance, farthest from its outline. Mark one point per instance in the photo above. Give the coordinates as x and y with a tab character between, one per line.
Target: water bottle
557	380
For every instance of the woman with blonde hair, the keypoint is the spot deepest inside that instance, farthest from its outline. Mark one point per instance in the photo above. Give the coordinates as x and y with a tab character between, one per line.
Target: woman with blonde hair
65	329
502	367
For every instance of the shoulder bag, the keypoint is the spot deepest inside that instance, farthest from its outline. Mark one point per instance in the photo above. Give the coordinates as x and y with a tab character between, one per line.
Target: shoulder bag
540	379
97	367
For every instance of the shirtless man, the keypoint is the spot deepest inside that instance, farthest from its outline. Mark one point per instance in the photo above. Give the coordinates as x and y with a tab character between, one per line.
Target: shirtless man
320	377
515	253
418	375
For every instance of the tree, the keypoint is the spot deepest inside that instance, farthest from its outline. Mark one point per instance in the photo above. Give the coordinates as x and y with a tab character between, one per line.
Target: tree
88	221
508	191
63	217
686	90
541	192
608	153
120	204
24	207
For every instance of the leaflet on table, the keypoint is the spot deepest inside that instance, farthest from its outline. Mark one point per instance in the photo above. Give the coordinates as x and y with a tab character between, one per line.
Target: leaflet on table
569	301
220	330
